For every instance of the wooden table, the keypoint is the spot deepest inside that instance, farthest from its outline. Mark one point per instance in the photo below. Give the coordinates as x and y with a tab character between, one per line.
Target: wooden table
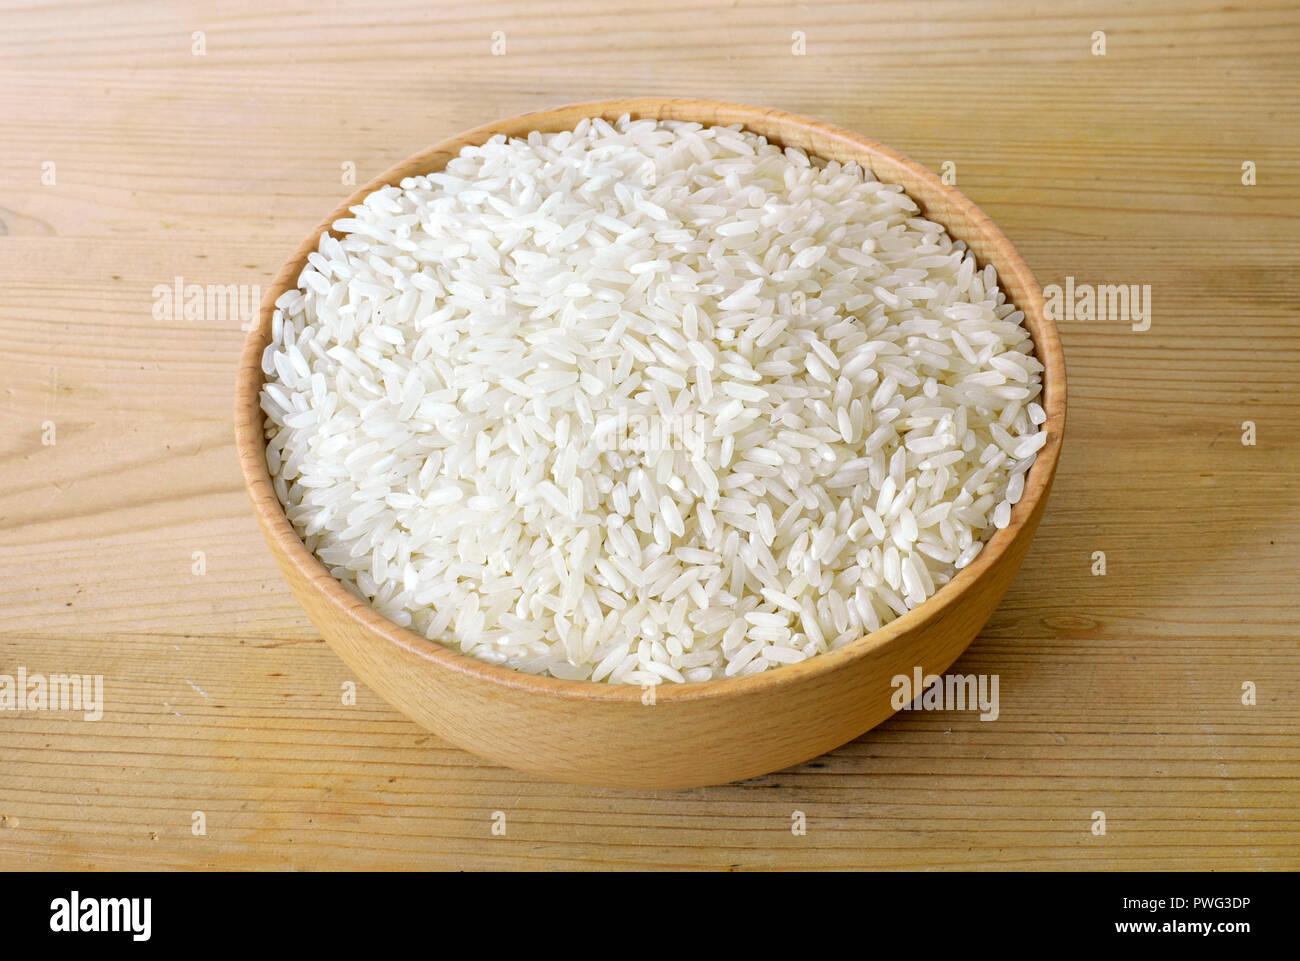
1120	693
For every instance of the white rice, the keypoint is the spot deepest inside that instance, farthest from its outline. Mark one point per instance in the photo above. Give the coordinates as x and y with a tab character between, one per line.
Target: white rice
645	402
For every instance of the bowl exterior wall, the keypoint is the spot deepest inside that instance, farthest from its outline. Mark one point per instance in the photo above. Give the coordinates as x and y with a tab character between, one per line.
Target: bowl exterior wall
671	743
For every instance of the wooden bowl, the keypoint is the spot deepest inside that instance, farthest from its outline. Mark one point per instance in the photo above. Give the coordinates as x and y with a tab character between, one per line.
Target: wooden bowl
691	734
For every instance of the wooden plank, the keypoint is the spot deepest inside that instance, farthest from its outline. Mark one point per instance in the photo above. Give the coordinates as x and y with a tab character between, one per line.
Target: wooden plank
1119	693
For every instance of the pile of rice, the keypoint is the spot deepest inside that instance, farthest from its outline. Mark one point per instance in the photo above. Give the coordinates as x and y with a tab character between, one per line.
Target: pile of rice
646	401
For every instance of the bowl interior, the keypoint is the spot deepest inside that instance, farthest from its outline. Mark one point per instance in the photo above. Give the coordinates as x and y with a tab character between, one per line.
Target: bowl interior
938	201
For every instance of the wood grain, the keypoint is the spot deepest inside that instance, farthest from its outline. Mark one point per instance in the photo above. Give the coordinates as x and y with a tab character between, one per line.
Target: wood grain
1119	693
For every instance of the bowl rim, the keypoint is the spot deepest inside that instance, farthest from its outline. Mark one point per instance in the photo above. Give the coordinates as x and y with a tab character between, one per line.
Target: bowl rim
823	139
